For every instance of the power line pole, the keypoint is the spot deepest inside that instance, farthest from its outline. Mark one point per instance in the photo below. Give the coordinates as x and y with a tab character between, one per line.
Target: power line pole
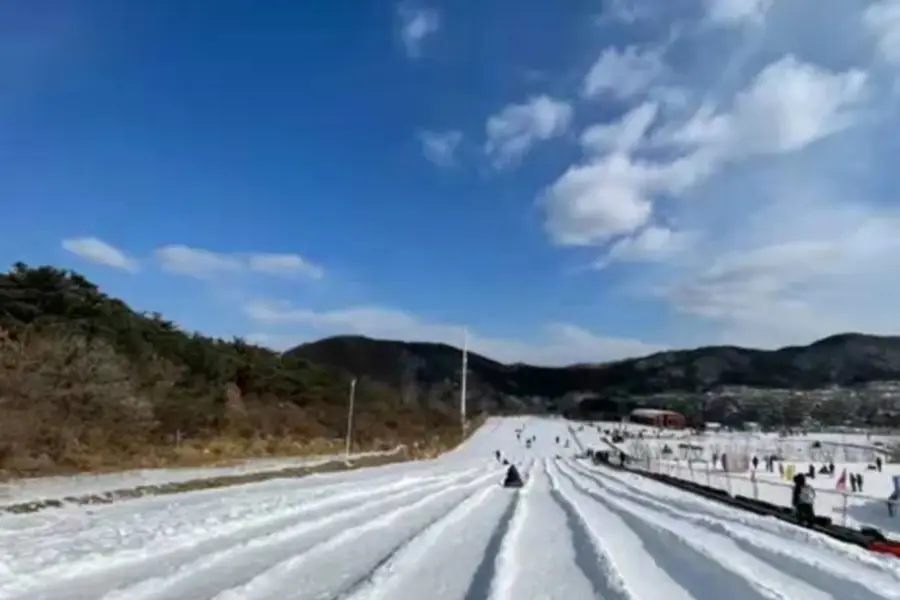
350	416
465	373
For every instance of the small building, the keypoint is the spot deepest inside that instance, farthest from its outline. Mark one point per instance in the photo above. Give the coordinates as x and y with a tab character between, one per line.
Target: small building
658	418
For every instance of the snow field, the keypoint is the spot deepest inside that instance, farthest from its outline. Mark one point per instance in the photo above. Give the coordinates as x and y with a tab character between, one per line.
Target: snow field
862	508
442	529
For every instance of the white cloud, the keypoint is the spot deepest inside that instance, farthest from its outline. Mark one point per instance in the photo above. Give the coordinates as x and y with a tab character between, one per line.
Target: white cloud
559	343
97	251
623	135
204	264
765	199
653	243
613	195
440	147
883	20
514	130
195	262
623	73
802	288
787	107
616	12
737	12
416	25
283	265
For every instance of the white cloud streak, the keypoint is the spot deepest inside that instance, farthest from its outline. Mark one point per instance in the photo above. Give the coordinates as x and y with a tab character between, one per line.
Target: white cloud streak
559	343
99	252
205	264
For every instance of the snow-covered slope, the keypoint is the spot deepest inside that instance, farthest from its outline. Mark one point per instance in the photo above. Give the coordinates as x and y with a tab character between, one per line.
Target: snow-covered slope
441	530
60	487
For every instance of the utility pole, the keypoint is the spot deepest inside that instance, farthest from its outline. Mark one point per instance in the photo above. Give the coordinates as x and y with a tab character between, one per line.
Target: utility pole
350	416
462	390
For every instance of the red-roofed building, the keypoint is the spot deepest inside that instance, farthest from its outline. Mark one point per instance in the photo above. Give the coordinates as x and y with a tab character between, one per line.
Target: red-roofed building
658	418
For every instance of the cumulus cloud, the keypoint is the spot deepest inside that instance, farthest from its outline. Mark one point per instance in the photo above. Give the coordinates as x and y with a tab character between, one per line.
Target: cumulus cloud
416	24
514	130
766	200
653	243
623	73
623	135
97	251
788	106
737	12
558	343
883	21
205	264
440	147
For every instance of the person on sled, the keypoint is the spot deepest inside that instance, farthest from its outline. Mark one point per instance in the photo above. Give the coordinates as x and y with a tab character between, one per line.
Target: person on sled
513	478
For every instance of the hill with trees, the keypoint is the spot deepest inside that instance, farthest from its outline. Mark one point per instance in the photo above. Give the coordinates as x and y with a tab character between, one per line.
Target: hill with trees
88	383
832	380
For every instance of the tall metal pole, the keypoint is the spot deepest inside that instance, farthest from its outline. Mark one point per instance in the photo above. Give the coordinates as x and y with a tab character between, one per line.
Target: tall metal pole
350	416
465	373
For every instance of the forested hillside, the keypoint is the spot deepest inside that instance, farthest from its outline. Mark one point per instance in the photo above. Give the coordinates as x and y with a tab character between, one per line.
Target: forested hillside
86	382
843	378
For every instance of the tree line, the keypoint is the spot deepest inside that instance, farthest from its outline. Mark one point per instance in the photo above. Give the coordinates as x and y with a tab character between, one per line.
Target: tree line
87	382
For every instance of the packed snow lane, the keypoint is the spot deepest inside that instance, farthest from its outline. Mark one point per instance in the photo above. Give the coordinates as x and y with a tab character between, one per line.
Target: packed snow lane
545	550
745	556
442	529
94	554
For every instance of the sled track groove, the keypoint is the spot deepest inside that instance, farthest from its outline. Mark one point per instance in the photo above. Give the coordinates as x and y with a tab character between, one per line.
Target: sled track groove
382	571
594	564
863	582
733	572
196	568
483	578
695	573
299	571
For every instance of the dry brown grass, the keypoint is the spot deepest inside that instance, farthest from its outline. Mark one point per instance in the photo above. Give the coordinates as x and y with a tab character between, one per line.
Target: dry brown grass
434	448
69	404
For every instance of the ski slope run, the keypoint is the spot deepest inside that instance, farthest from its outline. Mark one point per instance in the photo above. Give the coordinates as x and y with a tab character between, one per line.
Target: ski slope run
441	529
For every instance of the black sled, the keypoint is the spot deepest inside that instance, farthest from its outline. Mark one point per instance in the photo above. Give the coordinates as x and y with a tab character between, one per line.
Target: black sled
512	479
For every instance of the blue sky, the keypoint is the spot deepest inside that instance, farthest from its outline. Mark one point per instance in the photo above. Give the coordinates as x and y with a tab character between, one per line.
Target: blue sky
573	181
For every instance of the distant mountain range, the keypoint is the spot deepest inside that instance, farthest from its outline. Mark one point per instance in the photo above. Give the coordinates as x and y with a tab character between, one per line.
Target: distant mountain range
429	372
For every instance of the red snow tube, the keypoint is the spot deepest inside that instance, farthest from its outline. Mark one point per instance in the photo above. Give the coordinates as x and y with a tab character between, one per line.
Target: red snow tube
886	547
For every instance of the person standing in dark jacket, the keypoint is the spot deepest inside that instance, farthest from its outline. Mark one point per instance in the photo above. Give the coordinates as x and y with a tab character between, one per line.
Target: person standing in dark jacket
803	500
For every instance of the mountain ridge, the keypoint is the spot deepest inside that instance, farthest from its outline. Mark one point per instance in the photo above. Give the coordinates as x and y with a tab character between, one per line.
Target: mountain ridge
846	359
